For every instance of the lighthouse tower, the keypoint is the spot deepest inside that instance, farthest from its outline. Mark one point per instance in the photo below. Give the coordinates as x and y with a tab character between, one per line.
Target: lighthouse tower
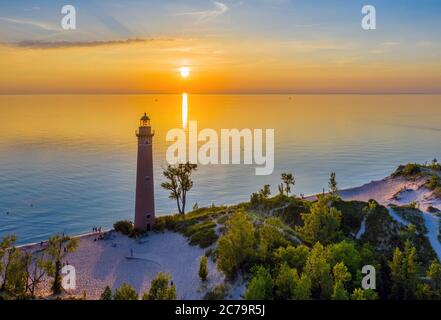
145	199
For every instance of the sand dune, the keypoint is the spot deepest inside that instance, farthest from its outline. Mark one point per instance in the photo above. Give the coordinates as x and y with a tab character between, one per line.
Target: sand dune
109	262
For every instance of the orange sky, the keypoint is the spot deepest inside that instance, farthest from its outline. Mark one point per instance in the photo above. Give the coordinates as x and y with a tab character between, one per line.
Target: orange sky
231	46
216	67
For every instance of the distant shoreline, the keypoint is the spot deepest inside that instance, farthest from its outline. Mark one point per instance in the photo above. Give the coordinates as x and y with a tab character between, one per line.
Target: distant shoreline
230	93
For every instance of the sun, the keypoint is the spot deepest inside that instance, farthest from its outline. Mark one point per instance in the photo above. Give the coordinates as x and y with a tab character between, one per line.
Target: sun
184	71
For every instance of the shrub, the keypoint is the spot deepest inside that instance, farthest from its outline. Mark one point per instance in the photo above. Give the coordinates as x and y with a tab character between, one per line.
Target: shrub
236	248
413	215
437	192
433	183
124	226
107	294
137	233
219	292
295	257
125	292
352	214
285	282
203	268
409	170
194	228
321	224
162	288
260	286
204	238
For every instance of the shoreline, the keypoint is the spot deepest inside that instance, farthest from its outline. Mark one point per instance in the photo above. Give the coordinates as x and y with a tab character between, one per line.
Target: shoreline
374	189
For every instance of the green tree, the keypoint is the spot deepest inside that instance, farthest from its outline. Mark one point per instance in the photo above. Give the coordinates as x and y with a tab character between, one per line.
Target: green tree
281	189
7	252
434	273
319	271
125	292
260	286
360	294
333	188
425	292
341	276
433	289
302	290
20	272
107	294
37	266
322	224
13	268
403	269
179	183
271	237
287	181
294	256
236	247
285	282
257	200
203	268
58	247
162	288
17	275
346	252
265	192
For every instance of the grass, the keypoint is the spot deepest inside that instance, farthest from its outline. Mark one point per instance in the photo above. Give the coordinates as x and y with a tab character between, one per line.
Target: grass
434	185
410	170
198	225
415	170
204	238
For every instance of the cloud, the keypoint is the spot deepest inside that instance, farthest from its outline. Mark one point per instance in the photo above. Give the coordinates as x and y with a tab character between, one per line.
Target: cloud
33	23
36	44
219	9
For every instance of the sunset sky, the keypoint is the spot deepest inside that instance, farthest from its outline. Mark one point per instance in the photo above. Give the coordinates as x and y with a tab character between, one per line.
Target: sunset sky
230	46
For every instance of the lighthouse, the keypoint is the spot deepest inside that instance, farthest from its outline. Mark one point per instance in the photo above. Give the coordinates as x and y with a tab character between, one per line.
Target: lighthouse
145	199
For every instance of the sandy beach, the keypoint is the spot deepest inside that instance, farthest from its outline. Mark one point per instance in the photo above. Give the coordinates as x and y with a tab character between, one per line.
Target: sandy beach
109	262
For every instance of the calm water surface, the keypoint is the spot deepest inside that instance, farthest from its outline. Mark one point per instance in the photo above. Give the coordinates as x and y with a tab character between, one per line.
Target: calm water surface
68	163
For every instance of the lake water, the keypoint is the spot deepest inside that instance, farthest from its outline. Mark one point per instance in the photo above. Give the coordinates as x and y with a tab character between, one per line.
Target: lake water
68	163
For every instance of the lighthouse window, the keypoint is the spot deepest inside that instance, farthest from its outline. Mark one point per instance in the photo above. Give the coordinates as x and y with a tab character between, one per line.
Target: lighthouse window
148	216
147	177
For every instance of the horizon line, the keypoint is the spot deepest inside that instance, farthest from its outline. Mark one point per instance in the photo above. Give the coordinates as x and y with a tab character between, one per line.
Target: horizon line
214	93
